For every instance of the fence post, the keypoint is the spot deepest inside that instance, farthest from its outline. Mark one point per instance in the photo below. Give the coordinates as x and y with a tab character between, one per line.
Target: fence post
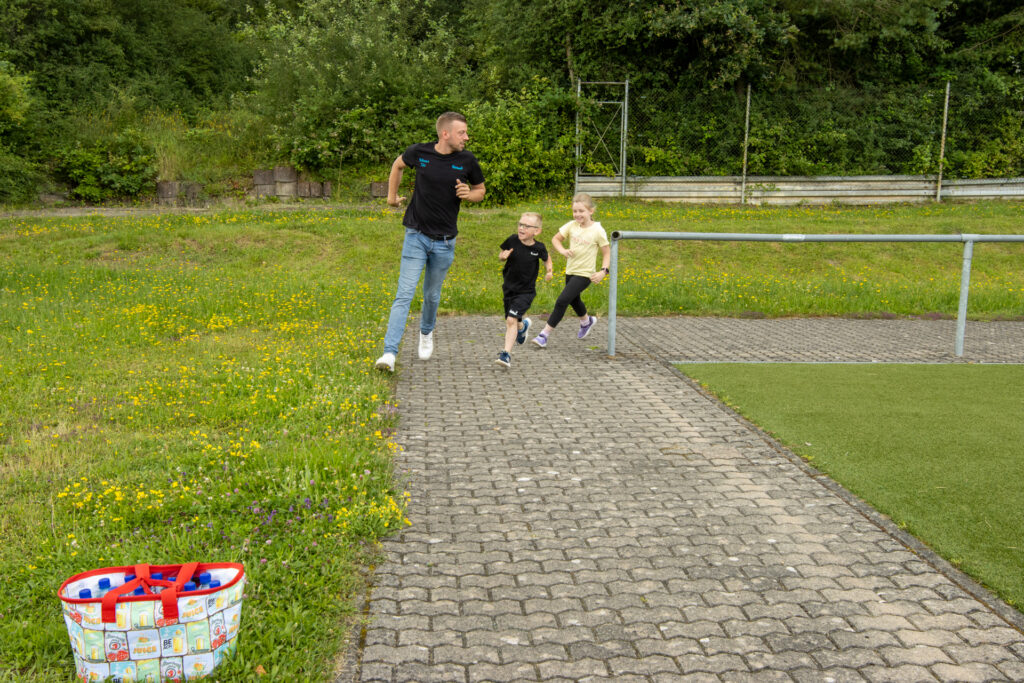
622	137
965	286
579	143
746	139
613	293
942	146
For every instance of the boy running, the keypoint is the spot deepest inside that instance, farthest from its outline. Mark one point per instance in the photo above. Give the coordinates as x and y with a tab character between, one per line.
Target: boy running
522	254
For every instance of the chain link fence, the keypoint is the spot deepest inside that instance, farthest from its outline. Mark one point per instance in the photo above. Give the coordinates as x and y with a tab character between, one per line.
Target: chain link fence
830	131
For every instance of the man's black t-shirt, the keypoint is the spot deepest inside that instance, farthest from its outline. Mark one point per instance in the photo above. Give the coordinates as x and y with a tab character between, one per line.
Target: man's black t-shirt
434	208
522	265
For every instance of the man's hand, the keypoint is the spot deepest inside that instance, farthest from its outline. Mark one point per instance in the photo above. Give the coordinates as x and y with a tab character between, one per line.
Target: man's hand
395	201
461	189
505	254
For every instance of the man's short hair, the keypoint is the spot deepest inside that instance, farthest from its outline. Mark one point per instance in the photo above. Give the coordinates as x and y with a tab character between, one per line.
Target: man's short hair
446	119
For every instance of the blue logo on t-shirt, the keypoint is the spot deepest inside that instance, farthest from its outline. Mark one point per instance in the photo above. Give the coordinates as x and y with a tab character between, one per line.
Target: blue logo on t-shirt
457	168
423	162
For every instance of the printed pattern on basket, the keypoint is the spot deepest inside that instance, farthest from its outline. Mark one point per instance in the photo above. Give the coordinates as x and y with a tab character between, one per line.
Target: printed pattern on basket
139	641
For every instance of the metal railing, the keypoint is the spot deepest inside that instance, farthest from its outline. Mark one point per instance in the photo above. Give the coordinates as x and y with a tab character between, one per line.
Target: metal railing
965	273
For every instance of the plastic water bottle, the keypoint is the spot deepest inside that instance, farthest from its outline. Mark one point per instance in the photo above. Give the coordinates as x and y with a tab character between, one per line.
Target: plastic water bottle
85	594
157	576
204	580
104	587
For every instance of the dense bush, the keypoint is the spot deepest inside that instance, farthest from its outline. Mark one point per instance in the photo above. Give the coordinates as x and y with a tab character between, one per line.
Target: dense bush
524	142
117	168
19	177
352	81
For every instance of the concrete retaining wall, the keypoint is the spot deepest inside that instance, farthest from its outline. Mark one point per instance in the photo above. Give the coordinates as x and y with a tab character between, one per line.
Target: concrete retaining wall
284	182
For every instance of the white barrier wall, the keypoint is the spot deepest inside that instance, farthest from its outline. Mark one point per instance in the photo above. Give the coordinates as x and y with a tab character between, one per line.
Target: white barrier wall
799	190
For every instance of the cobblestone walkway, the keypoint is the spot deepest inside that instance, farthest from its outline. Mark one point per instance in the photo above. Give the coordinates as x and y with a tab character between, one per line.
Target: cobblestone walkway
586	518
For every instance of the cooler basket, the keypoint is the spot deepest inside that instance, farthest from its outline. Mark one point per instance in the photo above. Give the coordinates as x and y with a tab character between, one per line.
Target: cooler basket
163	634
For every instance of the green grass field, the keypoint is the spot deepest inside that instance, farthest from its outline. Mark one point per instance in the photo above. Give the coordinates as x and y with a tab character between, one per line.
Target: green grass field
199	386
937	448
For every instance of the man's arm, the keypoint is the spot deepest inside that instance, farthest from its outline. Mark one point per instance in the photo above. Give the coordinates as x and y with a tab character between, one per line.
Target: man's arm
394	181
470	193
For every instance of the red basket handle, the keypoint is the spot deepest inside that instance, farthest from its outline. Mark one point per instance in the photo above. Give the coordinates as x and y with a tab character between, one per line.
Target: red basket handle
168	596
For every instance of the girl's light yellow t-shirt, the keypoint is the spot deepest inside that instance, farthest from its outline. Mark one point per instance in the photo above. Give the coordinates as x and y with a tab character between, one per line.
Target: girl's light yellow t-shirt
584	243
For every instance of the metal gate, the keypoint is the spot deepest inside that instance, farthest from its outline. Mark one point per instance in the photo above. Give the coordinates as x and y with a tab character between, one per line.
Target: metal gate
597	125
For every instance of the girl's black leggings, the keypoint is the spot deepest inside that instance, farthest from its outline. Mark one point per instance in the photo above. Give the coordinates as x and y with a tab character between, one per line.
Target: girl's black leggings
570	296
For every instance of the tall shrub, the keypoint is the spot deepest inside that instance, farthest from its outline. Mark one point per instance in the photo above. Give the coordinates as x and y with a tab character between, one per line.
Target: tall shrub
120	167
524	141
352	81
18	175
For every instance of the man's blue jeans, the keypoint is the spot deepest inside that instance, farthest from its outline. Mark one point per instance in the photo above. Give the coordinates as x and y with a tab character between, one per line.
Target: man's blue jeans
418	253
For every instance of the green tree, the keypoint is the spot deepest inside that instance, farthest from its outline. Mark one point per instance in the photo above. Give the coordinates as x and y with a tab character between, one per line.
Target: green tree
171	53
18	175
351	81
855	41
656	44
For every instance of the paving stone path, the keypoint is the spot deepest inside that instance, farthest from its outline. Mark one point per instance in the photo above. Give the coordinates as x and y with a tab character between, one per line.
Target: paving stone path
581	518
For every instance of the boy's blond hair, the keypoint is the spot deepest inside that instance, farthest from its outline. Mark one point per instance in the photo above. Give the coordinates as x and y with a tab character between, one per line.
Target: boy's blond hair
534	215
584	199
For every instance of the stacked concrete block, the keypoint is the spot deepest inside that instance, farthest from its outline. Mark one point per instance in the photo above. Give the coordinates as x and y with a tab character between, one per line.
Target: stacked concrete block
310	189
263	183
283	182
286	181
174	193
167	192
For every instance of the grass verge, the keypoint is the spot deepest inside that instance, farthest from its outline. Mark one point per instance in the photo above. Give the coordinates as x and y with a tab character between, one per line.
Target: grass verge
934	447
189	388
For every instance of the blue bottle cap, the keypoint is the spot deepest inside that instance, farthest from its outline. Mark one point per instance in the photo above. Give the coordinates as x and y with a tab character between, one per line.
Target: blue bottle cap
105	584
159	576
204	578
139	591
85	594
189	586
129	577
215	584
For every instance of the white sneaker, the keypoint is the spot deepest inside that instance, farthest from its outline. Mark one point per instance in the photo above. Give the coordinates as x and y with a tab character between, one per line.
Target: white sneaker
386	362
426	345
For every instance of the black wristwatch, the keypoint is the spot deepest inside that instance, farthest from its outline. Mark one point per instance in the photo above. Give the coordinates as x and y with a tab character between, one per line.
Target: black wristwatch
606	270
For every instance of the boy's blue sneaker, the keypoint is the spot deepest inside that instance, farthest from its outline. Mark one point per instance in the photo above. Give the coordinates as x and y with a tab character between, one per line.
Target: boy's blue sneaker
521	337
585	329
504	359
541	340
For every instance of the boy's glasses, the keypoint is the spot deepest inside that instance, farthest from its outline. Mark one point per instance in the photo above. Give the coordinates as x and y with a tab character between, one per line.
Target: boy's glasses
527	225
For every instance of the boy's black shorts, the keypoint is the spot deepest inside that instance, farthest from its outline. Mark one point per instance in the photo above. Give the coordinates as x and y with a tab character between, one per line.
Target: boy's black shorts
518	303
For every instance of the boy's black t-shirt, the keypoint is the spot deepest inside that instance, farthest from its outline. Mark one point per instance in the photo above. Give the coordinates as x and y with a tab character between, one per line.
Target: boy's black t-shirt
434	208
522	265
